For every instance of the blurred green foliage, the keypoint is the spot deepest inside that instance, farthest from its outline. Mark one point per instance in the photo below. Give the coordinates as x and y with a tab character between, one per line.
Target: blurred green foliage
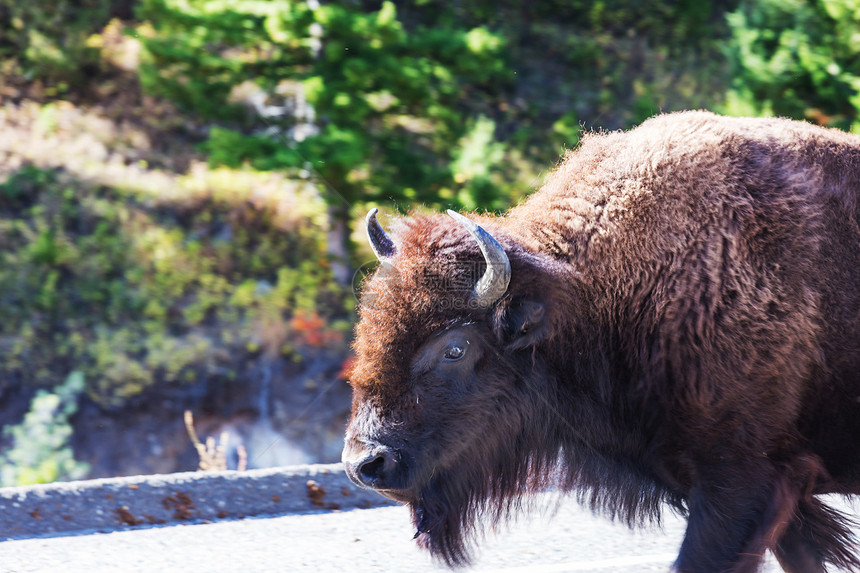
399	103
379	101
48	40
40	451
134	290
798	58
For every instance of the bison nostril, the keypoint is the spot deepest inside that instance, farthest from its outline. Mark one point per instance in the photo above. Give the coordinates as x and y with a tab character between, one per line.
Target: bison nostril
372	468
375	467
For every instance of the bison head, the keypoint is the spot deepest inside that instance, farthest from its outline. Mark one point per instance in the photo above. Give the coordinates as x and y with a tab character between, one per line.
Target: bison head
450	392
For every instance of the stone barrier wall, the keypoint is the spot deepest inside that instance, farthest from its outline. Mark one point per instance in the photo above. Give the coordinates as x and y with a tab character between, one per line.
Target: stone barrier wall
123	503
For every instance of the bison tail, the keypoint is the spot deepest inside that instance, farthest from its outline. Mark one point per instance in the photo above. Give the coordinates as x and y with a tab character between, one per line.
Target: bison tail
818	534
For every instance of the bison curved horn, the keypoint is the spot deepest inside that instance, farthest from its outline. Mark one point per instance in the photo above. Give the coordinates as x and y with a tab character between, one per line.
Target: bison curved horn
494	283
380	242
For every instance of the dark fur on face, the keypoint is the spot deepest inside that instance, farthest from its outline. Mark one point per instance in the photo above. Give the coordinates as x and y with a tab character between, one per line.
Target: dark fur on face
682	327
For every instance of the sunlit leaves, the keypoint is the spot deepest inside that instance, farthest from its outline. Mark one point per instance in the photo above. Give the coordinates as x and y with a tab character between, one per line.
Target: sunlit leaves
371	84
798	58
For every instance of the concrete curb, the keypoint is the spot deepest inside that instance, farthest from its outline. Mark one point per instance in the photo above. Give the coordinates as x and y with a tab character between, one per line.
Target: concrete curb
129	502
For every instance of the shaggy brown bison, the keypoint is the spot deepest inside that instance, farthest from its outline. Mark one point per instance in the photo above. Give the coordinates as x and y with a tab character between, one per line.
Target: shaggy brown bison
674	318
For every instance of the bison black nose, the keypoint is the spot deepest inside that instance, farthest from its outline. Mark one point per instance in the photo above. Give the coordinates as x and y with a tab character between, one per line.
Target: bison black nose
377	470
372	468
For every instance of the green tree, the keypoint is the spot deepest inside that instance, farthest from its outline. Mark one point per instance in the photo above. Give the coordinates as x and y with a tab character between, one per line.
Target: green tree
40	451
798	58
372	109
47	40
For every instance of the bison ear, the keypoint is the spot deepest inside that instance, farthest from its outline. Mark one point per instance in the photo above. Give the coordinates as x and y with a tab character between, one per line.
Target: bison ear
523	324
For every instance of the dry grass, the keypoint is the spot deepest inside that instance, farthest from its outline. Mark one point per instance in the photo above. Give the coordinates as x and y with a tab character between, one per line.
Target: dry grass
213	456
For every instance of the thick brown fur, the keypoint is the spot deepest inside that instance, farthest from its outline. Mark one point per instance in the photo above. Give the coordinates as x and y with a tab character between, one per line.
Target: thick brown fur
682	326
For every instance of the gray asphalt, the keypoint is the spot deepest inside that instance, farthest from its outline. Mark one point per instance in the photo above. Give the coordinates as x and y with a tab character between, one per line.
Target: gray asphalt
355	540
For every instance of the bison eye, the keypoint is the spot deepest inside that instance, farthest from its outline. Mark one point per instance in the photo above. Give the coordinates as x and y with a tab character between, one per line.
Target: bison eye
455	351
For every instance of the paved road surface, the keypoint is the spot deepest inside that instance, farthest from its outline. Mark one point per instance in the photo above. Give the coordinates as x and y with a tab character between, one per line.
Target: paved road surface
346	541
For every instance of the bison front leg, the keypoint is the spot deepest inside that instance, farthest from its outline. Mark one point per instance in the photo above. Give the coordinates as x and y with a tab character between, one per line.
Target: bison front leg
732	526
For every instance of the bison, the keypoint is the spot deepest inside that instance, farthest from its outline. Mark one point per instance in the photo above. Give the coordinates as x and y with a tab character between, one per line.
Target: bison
673	319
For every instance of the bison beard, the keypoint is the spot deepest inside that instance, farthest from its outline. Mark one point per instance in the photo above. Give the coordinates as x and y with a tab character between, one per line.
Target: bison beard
672	320
480	489
450	506
496	477
448	510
